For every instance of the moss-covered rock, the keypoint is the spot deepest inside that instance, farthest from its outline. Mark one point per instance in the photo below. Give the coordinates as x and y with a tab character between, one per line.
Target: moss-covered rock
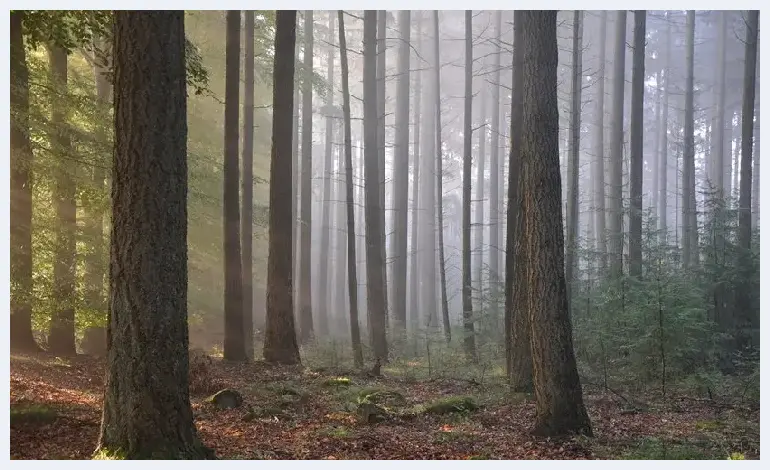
451	405
226	399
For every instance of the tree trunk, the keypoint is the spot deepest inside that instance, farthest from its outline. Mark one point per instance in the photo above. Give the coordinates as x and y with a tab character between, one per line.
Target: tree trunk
616	148
247	185
469	340
381	56
637	145
401	176
495	177
414	283
573	191
355	333
720	182
306	191
61	339
296	188
375	286
756	155
598	144
478	219
663	164
21	194
280	336
440	186
234	347
517	328
689	217
147	413
559	407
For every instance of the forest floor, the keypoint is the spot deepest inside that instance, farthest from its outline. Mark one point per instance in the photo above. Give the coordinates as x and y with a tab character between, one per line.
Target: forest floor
301	413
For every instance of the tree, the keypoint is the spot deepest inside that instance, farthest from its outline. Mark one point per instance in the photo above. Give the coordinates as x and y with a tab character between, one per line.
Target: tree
519	353
306	188
147	411
637	145
616	148
280	336
414	282
234	347
478	222
598	148
469	340
495	177
401	175
559	408
355	333
21	193
375	287
382	24
663	163
689	217
247	185
574	150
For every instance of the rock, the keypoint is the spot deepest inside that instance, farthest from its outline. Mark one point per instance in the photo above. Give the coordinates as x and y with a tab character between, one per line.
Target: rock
226	399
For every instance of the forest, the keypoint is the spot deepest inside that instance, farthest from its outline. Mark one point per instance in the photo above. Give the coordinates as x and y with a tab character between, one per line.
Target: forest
328	234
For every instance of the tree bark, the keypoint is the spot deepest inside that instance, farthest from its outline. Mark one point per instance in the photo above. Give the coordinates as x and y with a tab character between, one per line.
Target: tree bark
414	283
306	183
598	145
689	217
469	340
381	64
247	185
637	145
573	191
147	413
478	219
495	177
559	400
616	149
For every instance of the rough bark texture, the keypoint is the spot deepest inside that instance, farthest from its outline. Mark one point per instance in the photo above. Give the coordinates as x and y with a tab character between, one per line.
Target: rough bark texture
469	339
616	149
573	167
355	332
495	177
21	194
517	329
689	218
234	347
306	191
637	146
280	336
375	286
598	148
559	408
147	410
247	184
61	338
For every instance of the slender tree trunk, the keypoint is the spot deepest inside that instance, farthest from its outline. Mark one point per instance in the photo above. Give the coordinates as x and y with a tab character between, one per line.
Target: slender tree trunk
147	413
598	177
414	282
355	333
573	191
517	327
381	70
756	155
440	185
616	148
637	145
663	164
469	341
234	347
401	176
21	194
495	177
689	218
478	219
720	138
656	146
247	185
375	286
296	187
306	183
280	335
559	398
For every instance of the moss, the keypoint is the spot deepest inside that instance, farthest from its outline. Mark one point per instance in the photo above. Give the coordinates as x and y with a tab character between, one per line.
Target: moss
660	449
337	432
107	454
337	382
381	397
708	425
33	413
451	405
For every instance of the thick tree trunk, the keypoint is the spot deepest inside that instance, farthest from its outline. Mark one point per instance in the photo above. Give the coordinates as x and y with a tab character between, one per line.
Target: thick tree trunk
280	334
469	340
689	217
598	148
375	286
234	347
519	353
306	191
355	333
663	163
616	148
247	185
573	189
147	412
495	177
61	339
637	146
21	194
559	408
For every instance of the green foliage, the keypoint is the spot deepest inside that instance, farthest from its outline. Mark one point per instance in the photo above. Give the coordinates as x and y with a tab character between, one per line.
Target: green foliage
68	29
451	405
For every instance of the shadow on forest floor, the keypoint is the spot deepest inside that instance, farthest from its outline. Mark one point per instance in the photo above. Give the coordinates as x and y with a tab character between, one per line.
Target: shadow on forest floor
298	413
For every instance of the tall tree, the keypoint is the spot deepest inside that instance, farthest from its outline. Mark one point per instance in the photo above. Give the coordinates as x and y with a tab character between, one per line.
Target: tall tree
689	217
559	398
234	347
375	287
280	336
478	222
573	189
495	176
517	328
382	24
663	163
414	283
616	148
469	340
755	155
147	413
21	193
440	186
306	183
295	185
355	333
721	183
247	184
401	175
61	339
598	147
637	145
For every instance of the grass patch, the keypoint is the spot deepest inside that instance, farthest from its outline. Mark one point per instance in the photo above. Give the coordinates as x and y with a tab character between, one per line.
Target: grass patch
32	414
651	448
